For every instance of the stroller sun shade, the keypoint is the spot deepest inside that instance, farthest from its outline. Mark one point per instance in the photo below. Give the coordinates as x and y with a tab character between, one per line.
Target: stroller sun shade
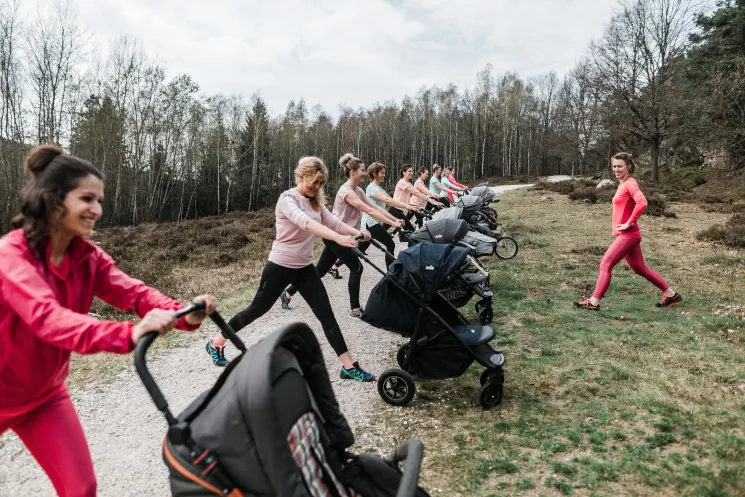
453	212
470	203
441	231
421	270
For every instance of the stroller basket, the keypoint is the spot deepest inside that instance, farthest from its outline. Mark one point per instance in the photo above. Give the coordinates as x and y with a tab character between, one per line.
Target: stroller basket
271	426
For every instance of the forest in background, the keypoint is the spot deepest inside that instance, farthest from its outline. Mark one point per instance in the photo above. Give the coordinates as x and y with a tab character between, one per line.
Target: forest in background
666	81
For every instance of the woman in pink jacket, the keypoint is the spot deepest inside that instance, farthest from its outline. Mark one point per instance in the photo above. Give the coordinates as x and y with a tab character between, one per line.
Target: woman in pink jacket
628	205
49	274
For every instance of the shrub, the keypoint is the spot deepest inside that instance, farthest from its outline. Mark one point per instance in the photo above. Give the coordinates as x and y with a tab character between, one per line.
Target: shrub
657	206
731	234
584	195
563	187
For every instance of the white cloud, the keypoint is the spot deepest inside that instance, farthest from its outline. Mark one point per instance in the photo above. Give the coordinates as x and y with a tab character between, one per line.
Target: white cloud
346	51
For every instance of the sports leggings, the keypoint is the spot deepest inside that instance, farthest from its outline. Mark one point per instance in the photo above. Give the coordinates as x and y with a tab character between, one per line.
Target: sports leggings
53	435
379	233
331	252
274	279
399	214
628	247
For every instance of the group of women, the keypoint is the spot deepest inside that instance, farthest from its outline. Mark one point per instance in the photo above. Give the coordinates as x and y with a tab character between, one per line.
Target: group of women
50	272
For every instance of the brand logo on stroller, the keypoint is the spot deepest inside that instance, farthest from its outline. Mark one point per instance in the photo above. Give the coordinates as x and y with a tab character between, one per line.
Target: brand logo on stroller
438	236
429	268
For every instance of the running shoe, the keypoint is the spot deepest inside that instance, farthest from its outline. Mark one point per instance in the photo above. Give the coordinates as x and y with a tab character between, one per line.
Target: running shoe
356	373
670	301
217	354
334	272
585	304
356	313
285	300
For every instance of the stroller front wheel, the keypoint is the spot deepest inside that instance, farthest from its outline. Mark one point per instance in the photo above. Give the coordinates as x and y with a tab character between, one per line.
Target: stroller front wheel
396	387
506	248
490	395
492	376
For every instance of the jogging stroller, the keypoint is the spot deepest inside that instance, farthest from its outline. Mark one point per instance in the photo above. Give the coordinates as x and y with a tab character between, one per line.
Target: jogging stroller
271	426
442	344
469	208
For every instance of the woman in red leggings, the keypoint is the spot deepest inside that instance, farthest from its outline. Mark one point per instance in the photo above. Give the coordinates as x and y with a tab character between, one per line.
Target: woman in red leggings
49	274
628	205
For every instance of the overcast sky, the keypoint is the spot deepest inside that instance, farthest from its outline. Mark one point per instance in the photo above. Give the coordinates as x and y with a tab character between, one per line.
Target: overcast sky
352	52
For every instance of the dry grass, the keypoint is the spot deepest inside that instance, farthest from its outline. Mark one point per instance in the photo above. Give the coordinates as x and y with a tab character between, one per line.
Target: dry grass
628	401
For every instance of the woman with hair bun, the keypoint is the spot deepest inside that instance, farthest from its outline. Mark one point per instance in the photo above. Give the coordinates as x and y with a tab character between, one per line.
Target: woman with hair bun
628	205
301	216
49	274
349	205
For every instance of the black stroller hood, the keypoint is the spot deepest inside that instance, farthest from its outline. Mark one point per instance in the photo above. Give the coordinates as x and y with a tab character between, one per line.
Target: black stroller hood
421	270
441	231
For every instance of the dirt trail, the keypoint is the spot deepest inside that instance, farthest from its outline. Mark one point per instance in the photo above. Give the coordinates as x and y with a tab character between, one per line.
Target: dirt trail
125	430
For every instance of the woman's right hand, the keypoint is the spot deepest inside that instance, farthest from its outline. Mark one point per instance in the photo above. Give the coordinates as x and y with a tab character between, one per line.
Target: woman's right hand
156	320
346	241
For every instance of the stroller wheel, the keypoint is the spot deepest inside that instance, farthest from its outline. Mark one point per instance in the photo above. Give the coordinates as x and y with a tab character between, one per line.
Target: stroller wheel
490	395
492	376
401	355
485	312
396	387
506	248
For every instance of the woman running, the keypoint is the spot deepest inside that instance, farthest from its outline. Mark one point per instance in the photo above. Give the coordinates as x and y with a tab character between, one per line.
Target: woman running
440	189
628	205
301	215
452	187
349	204
49	274
421	186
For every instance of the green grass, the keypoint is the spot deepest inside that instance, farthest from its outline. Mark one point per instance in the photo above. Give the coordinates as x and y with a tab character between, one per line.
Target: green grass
631	400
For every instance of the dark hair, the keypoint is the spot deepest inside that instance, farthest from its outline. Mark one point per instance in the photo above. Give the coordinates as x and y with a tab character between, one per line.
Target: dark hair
405	168
374	168
628	159
52	175
422	170
350	163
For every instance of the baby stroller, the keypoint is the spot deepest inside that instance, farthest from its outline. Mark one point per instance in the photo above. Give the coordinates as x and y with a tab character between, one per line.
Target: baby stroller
271	426
472	277
469	209
442	343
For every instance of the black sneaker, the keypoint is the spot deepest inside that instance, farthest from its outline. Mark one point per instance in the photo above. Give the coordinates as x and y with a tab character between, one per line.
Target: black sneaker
585	304
670	301
334	272
285	300
356	313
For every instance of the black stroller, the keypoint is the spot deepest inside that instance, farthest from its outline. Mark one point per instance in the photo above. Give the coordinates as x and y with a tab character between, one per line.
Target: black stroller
271	426
442	343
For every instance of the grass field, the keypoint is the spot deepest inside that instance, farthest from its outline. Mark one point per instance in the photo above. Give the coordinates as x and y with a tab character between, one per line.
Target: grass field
632	400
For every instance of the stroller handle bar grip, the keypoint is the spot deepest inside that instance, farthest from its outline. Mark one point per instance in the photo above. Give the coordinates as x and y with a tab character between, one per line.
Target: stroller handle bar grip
358	236
147	340
410	451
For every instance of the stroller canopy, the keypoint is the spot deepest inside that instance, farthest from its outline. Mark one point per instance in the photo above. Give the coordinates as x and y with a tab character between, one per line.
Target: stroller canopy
453	212
484	192
470	203
441	231
421	270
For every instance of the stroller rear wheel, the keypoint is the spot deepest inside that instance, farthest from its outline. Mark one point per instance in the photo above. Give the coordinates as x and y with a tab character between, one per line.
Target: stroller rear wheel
492	376
485	312
506	248
401	355
396	387
490	395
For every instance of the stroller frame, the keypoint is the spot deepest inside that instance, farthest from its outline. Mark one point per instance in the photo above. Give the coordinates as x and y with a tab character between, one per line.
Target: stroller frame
397	387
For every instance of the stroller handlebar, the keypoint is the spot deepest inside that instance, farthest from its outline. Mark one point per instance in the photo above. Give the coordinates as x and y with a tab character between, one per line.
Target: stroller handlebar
358	236
147	340
410	451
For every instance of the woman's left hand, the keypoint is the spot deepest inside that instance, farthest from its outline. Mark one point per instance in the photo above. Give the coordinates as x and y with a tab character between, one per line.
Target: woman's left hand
366	235
196	318
624	226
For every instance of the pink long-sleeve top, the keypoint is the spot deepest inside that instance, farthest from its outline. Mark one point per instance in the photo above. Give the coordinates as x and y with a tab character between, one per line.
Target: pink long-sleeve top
44	316
628	205
293	246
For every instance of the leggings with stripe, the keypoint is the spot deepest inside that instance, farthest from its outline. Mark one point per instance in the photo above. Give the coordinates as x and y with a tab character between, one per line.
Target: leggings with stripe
628	247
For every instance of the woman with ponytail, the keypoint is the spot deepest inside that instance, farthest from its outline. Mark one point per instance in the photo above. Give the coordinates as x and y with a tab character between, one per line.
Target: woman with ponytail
301	216
349	205
49	274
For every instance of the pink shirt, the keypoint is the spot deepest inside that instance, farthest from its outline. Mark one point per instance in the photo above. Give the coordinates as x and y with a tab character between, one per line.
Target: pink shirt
293	246
422	188
628	205
346	213
401	192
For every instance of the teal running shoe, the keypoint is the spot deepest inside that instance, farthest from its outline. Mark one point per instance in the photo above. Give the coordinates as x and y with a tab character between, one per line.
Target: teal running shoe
217	354
356	373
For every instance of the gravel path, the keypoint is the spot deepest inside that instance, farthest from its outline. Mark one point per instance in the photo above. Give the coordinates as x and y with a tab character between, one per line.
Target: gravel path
125	430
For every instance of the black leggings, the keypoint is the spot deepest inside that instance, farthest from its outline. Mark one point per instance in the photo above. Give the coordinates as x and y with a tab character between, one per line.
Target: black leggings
274	279
379	233
398	214
331	252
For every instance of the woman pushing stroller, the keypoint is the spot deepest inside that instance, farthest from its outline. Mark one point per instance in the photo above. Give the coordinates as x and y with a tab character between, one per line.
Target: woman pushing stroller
416	201
440	189
300	217
49	274
349	205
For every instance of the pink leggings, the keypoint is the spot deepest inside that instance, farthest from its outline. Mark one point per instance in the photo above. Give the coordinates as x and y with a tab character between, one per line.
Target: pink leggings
630	248
53	435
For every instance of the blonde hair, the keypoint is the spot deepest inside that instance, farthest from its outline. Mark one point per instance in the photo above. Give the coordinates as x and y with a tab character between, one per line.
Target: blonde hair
350	163
311	167
628	159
